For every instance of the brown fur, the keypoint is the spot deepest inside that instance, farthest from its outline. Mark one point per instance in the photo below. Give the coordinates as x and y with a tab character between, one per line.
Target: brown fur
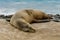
22	19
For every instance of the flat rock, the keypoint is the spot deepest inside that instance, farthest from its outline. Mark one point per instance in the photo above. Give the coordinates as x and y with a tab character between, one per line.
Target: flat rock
44	31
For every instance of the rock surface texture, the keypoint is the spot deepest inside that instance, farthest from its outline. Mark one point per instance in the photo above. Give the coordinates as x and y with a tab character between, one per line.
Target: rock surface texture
44	31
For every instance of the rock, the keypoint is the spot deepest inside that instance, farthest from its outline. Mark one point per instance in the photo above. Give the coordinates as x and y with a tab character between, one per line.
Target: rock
1	16
56	18
50	15
7	17
44	31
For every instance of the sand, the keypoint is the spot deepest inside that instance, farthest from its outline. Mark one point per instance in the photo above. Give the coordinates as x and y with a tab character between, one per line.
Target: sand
44	31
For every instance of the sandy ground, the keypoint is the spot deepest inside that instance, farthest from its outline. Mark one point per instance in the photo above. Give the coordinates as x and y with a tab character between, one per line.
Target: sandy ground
44	31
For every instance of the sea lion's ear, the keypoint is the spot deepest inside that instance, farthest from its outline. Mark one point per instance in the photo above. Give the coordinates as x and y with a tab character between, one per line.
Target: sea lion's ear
29	12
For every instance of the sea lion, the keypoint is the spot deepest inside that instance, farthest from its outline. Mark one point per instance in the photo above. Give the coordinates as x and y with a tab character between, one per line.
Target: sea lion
22	19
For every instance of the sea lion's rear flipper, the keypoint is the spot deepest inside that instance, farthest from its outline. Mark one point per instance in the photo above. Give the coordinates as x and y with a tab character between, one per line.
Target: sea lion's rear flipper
41	21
